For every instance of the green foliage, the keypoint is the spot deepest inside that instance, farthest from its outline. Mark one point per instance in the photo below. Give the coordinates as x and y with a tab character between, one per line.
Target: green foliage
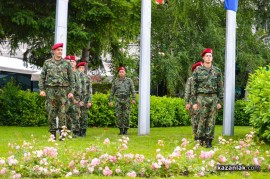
21	108
259	101
101	87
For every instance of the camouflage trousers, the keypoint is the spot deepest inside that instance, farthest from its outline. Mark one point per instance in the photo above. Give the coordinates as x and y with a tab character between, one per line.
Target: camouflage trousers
84	117
207	114
194	120
56	106
122	111
73	116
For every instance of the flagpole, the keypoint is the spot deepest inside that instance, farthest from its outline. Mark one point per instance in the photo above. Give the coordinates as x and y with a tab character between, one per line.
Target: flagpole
229	96
144	84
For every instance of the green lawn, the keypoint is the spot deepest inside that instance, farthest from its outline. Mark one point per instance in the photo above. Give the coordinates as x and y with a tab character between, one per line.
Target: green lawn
145	145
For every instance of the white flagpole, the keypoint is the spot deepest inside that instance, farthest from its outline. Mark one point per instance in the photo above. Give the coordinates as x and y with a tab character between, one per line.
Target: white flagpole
61	24
229	97
144	84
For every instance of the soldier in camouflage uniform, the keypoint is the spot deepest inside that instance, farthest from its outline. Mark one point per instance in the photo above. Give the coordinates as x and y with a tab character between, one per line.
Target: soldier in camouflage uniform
86	98
207	95
74	112
57	84
122	87
192	113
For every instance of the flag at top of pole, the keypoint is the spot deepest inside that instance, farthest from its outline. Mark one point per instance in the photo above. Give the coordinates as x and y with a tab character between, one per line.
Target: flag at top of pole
231	5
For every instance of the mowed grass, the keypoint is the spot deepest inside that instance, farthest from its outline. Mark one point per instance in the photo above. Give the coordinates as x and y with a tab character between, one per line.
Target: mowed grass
146	144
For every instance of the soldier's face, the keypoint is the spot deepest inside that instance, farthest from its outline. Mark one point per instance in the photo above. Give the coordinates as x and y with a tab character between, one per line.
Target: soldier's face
81	68
208	58
58	52
73	63
122	73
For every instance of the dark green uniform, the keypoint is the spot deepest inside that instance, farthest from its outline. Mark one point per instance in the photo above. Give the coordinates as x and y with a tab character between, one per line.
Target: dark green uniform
74	112
192	113
122	89
57	81
86	98
207	92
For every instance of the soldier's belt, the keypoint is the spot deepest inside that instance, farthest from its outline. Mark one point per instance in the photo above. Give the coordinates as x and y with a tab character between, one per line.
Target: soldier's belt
207	94
122	96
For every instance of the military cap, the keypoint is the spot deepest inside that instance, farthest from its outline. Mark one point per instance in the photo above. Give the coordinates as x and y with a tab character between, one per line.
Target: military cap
195	65
121	68
56	46
81	64
207	50
67	57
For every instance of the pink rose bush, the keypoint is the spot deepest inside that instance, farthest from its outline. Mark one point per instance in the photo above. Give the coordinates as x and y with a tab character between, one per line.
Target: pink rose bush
113	158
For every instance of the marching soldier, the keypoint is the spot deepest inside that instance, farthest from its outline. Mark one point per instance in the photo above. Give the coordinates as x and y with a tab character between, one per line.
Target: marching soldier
122	88
57	84
86	98
207	92
74	112
193	114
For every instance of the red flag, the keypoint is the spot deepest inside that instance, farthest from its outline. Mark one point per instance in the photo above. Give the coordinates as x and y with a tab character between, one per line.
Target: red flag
159	1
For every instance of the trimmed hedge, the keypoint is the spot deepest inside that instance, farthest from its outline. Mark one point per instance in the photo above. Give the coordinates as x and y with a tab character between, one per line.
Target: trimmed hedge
24	108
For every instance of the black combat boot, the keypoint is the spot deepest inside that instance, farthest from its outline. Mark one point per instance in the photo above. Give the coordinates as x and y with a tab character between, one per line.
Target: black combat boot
121	131
196	138
208	143
125	131
83	133
201	140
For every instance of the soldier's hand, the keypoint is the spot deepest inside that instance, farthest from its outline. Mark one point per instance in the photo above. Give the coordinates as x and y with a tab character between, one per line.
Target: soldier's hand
218	106
81	103
70	95
111	104
42	93
133	101
89	105
187	106
195	106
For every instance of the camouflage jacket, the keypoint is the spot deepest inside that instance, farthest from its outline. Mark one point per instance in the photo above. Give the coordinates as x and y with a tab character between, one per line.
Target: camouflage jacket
78	85
86	88
56	73
207	81
122	88
188	90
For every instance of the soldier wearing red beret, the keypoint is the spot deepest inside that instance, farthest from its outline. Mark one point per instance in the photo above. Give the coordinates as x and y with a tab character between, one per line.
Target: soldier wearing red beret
207	94
86	98
122	88
192	113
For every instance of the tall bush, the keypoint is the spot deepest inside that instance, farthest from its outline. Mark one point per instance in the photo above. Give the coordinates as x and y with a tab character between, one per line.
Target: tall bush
258	104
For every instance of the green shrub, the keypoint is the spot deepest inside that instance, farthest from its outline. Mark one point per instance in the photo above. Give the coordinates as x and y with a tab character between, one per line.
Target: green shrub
21	108
101	87
258	103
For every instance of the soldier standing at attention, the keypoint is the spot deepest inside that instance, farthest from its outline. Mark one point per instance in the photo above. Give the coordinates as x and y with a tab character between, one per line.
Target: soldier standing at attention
57	84
86	98
207	93
74	112
122	87
192	113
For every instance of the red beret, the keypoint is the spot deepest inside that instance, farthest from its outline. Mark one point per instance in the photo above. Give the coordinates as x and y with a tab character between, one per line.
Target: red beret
56	46
121	68
81	64
207	50
67	57
194	66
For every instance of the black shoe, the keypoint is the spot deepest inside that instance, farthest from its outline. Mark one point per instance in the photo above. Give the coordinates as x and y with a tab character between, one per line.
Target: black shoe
121	131
196	138
125	131
201	141
208	143
83	134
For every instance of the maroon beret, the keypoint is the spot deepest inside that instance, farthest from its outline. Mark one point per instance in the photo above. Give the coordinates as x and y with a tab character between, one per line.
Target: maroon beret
207	50
56	46
81	64
67	57
121	68
73	58
194	66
